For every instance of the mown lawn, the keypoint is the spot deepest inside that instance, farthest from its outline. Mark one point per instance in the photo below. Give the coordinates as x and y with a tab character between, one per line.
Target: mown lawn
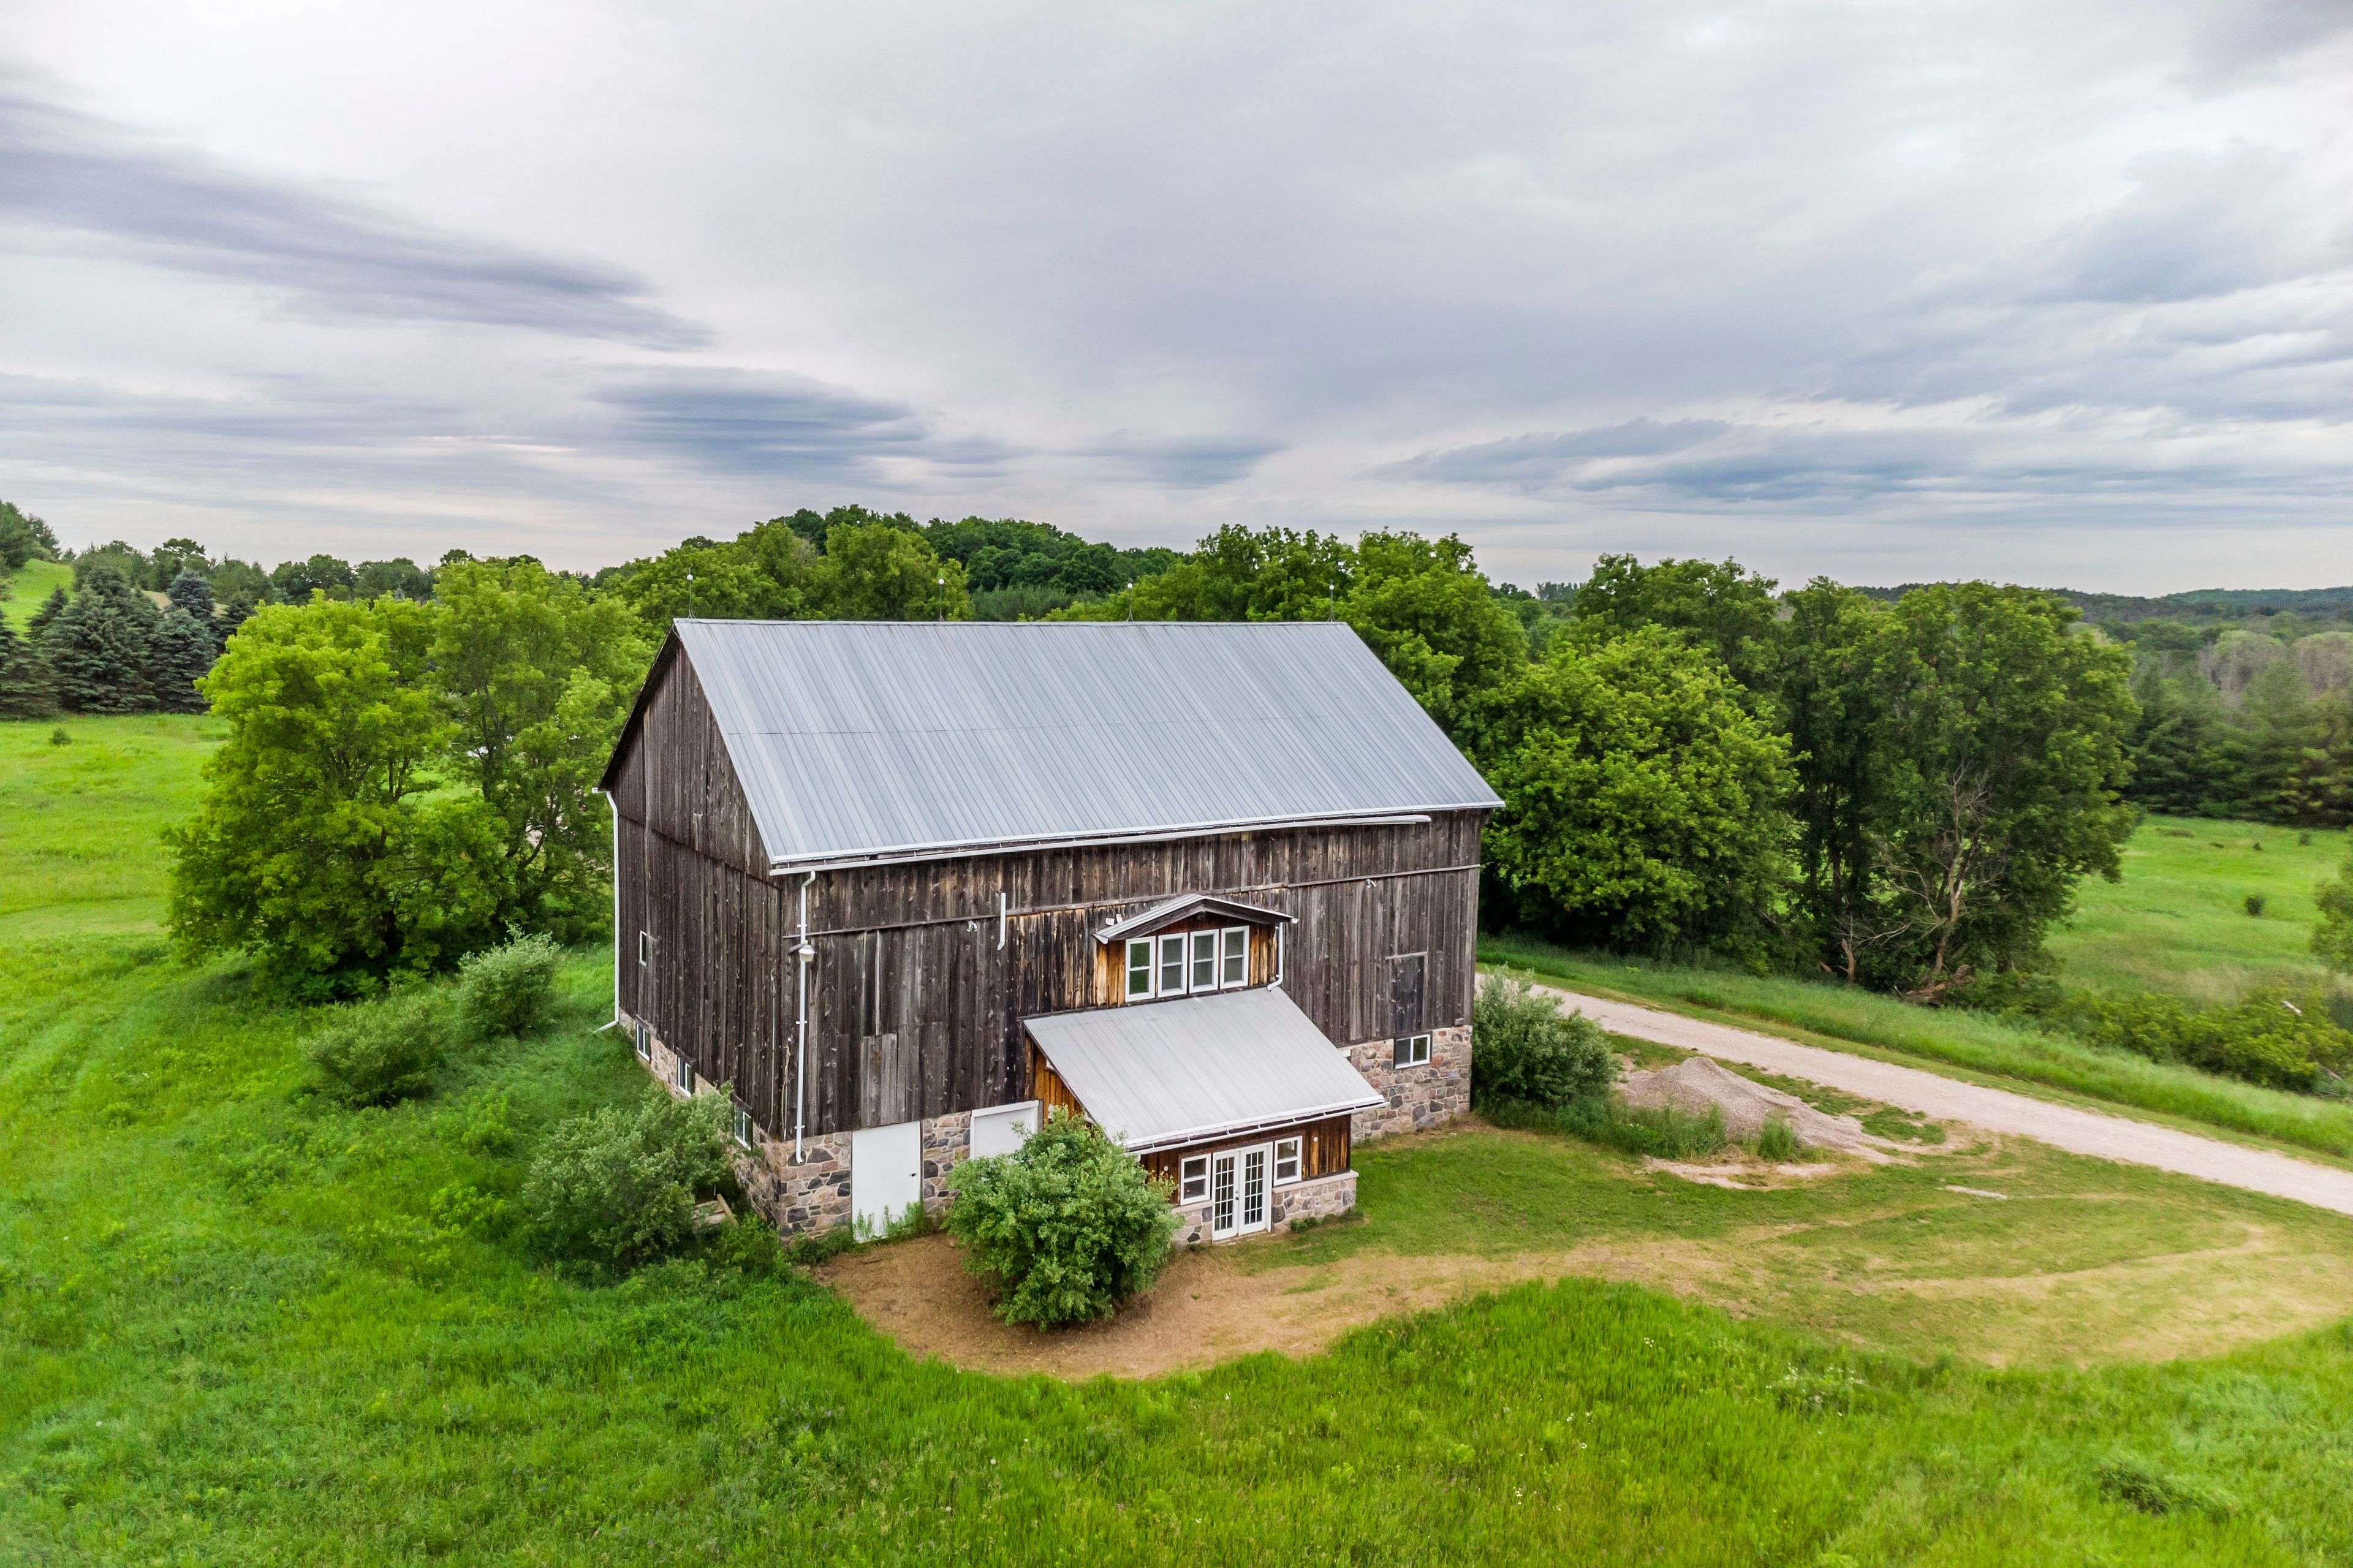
1989	1047
232	1331
23	590
2179	923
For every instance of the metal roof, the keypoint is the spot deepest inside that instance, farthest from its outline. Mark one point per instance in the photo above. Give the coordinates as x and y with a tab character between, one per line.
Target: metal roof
1191	904
874	739
1155	1073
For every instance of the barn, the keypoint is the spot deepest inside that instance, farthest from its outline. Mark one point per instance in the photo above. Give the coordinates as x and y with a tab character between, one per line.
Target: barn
900	888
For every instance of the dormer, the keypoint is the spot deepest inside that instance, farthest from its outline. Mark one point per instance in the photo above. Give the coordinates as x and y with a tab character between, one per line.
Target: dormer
1188	946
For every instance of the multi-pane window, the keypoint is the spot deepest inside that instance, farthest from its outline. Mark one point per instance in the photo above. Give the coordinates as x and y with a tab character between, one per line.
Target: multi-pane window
1194	1184
645	1041
685	1076
1180	963
742	1127
1286	1160
1411	1051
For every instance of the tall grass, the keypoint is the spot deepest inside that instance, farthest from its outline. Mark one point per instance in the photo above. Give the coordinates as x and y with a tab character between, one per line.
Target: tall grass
1835	1014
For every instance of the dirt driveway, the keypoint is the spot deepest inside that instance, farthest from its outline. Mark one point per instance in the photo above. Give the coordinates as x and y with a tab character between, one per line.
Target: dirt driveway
2064	1127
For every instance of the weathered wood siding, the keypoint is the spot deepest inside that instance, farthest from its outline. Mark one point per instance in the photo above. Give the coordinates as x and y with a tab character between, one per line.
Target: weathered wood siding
915	1008
1324	1148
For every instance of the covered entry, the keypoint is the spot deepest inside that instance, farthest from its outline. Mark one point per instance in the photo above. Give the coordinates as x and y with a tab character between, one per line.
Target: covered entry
1230	1097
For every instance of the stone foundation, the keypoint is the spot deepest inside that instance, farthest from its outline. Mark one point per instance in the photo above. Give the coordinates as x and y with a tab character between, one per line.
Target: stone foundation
1421	1097
1321	1198
813	1194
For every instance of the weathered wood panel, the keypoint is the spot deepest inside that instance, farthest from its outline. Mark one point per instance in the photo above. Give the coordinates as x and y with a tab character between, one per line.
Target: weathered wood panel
1325	1149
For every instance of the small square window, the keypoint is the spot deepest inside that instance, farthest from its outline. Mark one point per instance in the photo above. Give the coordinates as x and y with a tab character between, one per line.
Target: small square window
1139	967
742	1127
684	1077
645	948
1205	961
1234	967
1286	1160
1412	1051
1196	1183
1172	966
645	1041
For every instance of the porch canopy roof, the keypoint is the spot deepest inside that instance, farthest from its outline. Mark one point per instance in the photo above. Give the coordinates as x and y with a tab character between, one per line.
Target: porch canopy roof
1157	1074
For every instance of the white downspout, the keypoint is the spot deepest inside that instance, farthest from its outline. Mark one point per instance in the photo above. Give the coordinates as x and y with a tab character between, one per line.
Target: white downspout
1280	931
803	952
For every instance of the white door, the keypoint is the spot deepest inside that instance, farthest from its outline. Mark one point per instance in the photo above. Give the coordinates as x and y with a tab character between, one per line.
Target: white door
1002	1129
1237	1191
886	1176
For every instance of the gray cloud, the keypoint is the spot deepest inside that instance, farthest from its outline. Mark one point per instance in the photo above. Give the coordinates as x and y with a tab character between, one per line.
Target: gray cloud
1539	462
784	427
1187	462
65	169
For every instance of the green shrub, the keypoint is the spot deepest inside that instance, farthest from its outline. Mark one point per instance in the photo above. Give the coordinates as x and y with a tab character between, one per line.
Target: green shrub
378	1053
2256	905
1064	1228
1778	1142
510	990
618	1186
2265	1040
1526	1049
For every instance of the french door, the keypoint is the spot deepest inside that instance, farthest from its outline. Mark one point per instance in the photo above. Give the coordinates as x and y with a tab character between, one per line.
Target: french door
1239	1179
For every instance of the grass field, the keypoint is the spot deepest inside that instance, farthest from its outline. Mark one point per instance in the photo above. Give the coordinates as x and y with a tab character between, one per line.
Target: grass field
2179	922
1989	1047
232	1331
21	592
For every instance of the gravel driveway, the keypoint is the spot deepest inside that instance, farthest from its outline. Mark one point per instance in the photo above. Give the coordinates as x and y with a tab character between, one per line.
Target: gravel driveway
2064	1127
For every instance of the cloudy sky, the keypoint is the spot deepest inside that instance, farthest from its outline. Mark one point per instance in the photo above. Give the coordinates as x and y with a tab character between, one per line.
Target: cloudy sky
2047	291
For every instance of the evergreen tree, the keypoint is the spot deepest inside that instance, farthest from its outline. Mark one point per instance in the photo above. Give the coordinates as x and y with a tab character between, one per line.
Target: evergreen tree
98	647
191	592
46	616
180	654
25	688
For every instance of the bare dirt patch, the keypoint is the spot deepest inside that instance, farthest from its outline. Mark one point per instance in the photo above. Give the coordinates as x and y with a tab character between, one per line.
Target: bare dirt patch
1211	1308
1697	1085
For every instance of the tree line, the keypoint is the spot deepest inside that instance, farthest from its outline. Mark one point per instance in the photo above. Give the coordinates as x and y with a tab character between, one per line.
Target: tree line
1902	795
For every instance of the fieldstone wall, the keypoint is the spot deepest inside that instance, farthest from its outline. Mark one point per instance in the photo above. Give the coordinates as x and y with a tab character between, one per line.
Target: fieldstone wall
1322	1198
813	1194
1419	1097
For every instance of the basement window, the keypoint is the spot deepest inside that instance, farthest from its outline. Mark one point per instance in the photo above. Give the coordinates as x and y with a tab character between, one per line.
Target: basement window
1286	1160
742	1127
685	1074
1412	1051
645	1041
1195	1186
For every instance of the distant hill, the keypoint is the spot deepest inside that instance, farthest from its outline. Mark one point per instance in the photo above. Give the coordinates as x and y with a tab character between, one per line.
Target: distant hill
2194	603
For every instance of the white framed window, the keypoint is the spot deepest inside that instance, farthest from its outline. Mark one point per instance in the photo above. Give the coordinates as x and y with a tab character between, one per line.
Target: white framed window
1233	965
742	1127
1172	966
685	1077
1205	961
645	1041
1139	967
1286	1160
1194	1184
1412	1051
645	948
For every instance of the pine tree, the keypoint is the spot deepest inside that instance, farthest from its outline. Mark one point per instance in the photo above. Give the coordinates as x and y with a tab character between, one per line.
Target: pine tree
24	686
46	616
98	648
180	654
191	592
